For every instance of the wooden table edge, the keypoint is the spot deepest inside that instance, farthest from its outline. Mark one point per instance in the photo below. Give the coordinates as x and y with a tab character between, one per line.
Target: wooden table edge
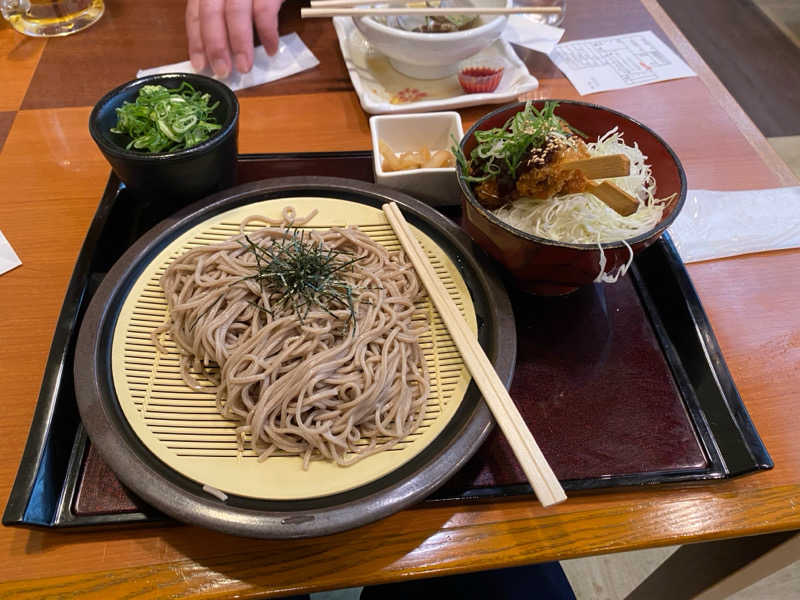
721	94
518	542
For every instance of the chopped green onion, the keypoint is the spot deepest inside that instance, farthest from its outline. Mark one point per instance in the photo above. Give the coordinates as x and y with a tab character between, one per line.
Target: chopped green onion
503	149
167	120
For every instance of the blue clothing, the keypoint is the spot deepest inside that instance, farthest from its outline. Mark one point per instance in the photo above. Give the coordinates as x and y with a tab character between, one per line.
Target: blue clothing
545	581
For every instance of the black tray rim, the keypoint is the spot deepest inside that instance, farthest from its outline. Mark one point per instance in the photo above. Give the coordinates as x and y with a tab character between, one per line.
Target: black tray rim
27	488
184	501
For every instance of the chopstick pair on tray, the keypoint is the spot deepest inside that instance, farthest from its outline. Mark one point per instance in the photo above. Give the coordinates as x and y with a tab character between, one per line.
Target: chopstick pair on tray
364	8
538	472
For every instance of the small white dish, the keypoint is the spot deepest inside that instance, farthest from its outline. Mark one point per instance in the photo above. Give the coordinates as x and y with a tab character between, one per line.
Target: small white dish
410	133
381	89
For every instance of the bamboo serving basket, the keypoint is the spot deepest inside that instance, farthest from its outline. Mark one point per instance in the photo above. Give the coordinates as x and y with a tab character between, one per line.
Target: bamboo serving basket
170	445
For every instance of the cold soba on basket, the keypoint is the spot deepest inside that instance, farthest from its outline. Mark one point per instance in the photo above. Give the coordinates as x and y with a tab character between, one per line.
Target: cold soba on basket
308	338
183	427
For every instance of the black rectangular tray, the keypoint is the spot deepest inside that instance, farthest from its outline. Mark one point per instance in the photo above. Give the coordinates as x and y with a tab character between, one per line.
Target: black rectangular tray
49	476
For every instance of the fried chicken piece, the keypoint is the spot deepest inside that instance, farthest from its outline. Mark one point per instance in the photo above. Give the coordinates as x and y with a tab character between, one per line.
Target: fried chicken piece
542	175
488	194
545	177
496	191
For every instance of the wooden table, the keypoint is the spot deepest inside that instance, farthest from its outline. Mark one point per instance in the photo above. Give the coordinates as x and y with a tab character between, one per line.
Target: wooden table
52	176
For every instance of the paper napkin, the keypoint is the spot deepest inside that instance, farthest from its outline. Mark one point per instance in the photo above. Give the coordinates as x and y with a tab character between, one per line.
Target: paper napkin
8	258
618	61
293	56
720	224
530	34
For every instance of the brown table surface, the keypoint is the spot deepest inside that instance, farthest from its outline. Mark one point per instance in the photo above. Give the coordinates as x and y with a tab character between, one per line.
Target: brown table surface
52	176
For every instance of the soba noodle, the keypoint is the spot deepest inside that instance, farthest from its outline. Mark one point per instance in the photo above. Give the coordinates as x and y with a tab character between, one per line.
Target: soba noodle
317	384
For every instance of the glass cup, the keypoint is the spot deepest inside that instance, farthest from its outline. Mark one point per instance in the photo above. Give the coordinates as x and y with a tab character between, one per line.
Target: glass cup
49	18
548	19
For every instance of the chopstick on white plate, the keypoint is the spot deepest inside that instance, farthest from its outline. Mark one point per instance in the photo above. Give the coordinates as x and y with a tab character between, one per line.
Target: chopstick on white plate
346	3
407	3
329	10
537	470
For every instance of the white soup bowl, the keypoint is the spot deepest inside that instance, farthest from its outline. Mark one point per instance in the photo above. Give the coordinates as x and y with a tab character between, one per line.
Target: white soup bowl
433	55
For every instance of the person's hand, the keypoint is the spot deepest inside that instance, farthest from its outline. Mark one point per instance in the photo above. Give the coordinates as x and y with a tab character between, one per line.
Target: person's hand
220	32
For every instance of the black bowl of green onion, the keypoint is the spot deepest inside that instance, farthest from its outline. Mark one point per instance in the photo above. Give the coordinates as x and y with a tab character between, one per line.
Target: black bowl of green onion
171	138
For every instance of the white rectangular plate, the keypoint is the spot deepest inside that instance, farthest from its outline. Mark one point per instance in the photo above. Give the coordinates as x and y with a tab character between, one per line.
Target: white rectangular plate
383	90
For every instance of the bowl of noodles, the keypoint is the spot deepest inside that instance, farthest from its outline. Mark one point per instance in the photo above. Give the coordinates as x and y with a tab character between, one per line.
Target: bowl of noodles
543	220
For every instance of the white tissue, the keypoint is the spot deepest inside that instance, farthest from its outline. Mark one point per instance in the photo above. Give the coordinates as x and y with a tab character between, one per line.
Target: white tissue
536	36
293	56
8	258
719	224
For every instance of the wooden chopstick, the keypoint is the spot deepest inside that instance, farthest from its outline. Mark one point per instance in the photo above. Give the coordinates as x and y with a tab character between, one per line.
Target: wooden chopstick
541	477
410	4
345	3
330	11
613	196
405	3
600	167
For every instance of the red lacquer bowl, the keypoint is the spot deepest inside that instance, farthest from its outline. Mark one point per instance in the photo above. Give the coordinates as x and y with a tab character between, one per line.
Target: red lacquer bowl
547	267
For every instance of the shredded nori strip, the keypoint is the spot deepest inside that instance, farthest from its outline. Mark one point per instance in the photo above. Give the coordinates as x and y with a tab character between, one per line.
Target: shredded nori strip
500	152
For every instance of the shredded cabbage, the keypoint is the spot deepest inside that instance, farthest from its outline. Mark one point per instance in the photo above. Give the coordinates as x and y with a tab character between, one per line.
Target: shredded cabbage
582	218
602	276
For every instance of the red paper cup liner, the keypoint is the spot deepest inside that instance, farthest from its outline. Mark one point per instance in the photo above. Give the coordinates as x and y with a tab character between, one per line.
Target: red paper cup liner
480	75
